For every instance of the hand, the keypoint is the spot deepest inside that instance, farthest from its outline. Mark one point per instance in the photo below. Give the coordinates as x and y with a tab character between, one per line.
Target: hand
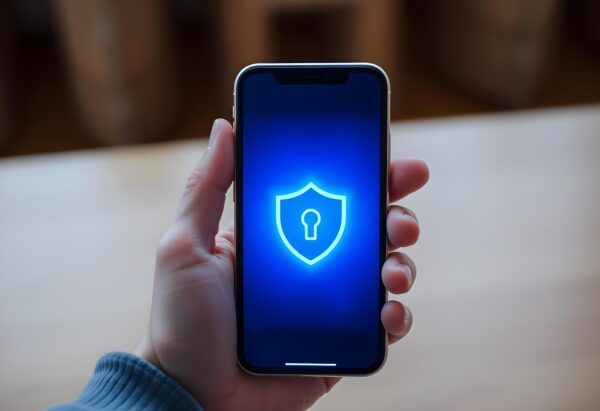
192	333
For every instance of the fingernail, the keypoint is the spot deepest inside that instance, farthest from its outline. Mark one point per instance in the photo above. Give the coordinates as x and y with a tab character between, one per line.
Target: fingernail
411	215
213	132
407	317
407	273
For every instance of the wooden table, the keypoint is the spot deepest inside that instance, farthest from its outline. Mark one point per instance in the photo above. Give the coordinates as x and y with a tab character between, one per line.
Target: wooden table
506	304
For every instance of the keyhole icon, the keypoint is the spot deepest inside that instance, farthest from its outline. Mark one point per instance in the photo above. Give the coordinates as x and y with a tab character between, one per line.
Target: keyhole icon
310	220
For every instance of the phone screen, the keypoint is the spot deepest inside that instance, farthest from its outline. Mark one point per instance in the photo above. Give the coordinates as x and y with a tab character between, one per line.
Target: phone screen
311	184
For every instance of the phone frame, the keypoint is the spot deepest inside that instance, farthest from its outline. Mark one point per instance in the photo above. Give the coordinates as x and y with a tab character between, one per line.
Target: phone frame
317	68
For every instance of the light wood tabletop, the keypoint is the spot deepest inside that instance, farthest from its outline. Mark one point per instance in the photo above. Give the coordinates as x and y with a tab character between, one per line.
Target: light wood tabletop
506	302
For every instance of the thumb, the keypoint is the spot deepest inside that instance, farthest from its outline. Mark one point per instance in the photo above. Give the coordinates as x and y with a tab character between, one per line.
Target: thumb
204	197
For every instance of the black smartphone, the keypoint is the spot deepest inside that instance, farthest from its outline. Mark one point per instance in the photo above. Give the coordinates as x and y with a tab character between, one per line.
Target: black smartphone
312	144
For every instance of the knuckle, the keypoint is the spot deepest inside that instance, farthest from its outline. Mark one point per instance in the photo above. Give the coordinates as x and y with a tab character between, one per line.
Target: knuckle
178	249
197	178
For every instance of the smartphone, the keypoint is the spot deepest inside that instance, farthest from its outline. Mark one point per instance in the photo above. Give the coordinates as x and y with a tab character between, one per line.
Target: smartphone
312	144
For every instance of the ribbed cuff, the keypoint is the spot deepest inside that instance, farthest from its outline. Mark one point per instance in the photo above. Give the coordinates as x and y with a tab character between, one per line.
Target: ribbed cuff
122	381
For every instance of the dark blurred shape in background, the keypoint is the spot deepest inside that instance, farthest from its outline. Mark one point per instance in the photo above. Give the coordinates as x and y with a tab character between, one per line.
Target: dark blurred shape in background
87	73
498	50
6	70
120	60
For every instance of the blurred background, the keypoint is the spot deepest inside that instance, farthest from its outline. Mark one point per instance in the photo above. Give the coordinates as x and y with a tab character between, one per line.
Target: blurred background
83	74
500	97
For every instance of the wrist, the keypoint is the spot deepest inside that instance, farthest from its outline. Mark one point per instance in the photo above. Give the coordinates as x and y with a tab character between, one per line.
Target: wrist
145	351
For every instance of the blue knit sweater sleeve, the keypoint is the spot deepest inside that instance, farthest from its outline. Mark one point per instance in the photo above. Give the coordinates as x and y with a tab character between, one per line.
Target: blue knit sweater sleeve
123	381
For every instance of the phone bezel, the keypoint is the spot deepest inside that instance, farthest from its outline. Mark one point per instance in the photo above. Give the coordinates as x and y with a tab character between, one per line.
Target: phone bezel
321	69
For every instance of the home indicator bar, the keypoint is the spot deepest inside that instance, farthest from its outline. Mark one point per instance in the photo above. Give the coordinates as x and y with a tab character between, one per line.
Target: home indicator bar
310	364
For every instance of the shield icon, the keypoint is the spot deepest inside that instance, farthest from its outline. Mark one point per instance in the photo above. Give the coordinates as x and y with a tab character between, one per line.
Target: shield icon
310	222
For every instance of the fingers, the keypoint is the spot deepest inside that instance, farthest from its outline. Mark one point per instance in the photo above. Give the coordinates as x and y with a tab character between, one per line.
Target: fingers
397	320
402	227
398	273
406	176
202	204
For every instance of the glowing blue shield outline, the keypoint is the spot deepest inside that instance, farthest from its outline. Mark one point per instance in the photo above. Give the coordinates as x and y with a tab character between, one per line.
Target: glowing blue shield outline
336	240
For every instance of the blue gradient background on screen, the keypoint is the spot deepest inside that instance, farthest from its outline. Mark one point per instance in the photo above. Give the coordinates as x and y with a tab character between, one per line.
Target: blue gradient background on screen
330	135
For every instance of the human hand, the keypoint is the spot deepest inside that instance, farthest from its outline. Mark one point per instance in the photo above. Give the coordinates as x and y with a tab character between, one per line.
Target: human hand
192	332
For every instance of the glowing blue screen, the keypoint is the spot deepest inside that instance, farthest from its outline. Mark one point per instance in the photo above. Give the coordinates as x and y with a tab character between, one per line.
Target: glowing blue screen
311	156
